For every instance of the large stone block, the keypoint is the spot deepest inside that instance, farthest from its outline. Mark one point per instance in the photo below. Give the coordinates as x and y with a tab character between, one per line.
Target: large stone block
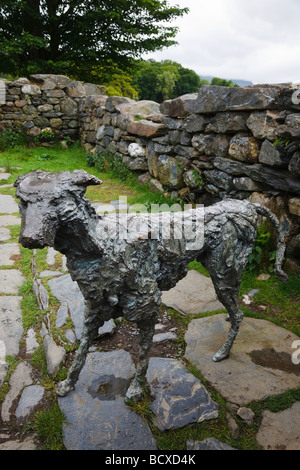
244	148
263	124
228	122
145	128
213	99
179	107
170	172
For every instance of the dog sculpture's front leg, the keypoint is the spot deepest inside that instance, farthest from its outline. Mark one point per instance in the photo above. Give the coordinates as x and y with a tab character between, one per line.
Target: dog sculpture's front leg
135	391
89	333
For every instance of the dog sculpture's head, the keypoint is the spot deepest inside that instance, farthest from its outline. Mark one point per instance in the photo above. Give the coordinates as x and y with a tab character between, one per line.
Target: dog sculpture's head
42	197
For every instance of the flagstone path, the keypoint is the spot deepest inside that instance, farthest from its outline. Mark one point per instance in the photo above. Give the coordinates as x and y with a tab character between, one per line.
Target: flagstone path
97	416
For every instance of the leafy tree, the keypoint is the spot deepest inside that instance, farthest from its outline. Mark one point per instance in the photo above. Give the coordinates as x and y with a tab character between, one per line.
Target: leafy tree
75	37
158	81
223	82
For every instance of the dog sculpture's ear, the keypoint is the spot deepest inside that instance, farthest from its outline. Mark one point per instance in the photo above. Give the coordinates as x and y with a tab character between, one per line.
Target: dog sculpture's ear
82	178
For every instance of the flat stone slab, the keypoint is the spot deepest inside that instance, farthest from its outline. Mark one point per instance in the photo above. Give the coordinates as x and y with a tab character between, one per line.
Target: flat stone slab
30	399
208	444
7	251
193	294
97	417
72	302
11	327
280	431
4	176
260	363
4	234
8	204
7	220
180	398
10	281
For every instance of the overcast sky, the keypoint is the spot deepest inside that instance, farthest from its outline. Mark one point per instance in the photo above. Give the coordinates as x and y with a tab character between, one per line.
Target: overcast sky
255	40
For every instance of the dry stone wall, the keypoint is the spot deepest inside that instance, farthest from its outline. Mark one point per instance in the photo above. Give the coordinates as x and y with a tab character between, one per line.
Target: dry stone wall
46	102
220	142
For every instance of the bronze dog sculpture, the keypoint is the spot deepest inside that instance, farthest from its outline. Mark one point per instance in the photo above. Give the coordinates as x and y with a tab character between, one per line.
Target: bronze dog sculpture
125	276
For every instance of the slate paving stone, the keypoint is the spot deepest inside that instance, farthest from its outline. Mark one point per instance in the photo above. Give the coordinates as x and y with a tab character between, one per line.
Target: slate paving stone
7	220
10	281
8	205
97	417
280	431
11	327
4	234
30	399
193	294
7	251
260	363
208	444
179	397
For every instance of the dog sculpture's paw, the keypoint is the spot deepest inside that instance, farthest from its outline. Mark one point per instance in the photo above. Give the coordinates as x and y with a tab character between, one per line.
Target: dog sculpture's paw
220	355
63	388
135	392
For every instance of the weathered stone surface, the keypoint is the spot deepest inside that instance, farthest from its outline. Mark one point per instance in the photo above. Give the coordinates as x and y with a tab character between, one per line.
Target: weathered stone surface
192	178
93	89
136	150
31	90
30	399
103	421
6	220
27	444
55	355
156	186
263	124
179	107
180	398
135	164
244	148
117	104
146	108
170	172
294	206
270	155
10	281
8	204
159	337
219	178
247	184
275	178
60	81
228	122
280	431
208	444
41	294
291	128
145	128
20	378
213	99
294	165
4	234
260	363
69	107
75	89
31	341
193	294
11	327
195	123
71	299
203	143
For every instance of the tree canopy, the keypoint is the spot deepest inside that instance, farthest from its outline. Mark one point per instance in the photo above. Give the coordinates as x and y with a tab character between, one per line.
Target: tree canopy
159	81
85	39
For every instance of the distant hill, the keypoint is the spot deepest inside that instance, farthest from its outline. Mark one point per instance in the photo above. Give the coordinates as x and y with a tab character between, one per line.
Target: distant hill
241	83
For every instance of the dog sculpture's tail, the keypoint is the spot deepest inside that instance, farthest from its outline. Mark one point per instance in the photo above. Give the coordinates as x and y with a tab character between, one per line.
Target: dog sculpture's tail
265	212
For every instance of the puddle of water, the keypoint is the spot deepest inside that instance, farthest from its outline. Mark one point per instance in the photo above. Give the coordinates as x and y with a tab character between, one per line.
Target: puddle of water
108	387
275	360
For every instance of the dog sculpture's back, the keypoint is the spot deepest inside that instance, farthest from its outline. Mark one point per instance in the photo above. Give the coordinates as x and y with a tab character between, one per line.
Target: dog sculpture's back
125	275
